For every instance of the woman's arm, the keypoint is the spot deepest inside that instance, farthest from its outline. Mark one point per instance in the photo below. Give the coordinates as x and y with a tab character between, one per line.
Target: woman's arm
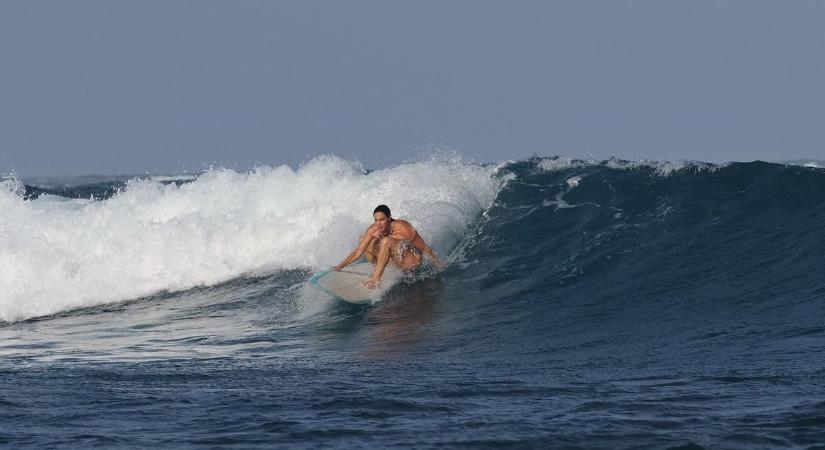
355	254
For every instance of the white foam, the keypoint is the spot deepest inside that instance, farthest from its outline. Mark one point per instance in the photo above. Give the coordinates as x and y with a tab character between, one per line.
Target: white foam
557	163
662	168
59	254
811	163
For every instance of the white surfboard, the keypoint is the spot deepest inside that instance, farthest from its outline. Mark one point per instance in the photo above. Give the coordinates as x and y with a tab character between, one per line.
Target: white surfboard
345	284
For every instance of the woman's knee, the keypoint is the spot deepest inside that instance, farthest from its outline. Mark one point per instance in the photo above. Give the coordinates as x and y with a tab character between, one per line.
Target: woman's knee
384	246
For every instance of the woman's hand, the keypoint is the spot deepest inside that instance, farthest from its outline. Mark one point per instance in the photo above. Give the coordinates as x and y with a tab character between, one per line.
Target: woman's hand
370	284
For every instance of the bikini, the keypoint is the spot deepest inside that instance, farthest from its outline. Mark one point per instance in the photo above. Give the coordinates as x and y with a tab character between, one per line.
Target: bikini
407	246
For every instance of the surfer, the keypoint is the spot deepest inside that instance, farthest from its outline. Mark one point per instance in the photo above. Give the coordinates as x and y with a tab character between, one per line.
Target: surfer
386	240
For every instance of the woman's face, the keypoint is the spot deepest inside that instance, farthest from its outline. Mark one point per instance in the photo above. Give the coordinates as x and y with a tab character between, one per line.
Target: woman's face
381	221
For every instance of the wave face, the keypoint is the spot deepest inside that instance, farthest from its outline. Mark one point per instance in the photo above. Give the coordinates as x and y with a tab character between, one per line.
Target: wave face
629	254
106	242
656	231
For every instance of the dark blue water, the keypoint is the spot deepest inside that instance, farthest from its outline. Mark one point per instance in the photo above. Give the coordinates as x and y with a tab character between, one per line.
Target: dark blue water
591	306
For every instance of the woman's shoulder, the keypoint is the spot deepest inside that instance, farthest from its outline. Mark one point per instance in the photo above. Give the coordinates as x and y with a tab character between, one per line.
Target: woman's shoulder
401	223
403	230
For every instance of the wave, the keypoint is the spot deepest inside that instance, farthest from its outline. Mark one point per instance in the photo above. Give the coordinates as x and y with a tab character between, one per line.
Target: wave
606	233
612	232
143	236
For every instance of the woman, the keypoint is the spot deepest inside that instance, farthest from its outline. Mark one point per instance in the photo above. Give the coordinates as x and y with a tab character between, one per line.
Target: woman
389	239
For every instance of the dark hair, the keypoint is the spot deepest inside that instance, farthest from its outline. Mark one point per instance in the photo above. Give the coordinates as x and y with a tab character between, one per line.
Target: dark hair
384	209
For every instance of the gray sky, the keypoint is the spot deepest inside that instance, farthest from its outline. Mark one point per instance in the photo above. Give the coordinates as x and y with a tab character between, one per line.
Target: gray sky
113	87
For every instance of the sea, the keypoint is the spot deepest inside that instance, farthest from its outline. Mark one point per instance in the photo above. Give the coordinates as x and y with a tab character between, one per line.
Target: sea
586	304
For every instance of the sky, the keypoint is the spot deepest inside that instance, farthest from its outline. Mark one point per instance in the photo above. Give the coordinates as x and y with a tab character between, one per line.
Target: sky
129	87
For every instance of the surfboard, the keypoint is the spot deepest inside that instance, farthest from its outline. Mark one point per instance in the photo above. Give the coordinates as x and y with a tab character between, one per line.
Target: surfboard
345	284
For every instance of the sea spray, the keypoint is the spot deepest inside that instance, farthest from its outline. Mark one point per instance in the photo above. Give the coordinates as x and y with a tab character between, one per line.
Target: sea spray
60	254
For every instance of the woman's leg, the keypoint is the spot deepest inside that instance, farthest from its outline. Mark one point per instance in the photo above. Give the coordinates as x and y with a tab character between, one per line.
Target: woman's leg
405	255
410	260
371	252
381	261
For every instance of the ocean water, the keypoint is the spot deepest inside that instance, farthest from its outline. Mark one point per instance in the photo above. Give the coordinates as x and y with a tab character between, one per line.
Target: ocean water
587	304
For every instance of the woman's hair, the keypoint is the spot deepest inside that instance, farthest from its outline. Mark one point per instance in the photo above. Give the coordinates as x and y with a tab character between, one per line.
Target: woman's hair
384	209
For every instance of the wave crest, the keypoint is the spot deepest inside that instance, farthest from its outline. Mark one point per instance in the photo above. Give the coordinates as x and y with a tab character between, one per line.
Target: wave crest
151	236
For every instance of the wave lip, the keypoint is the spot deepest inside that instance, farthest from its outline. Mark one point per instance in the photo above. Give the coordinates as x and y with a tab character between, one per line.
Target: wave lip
662	168
813	163
61	254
